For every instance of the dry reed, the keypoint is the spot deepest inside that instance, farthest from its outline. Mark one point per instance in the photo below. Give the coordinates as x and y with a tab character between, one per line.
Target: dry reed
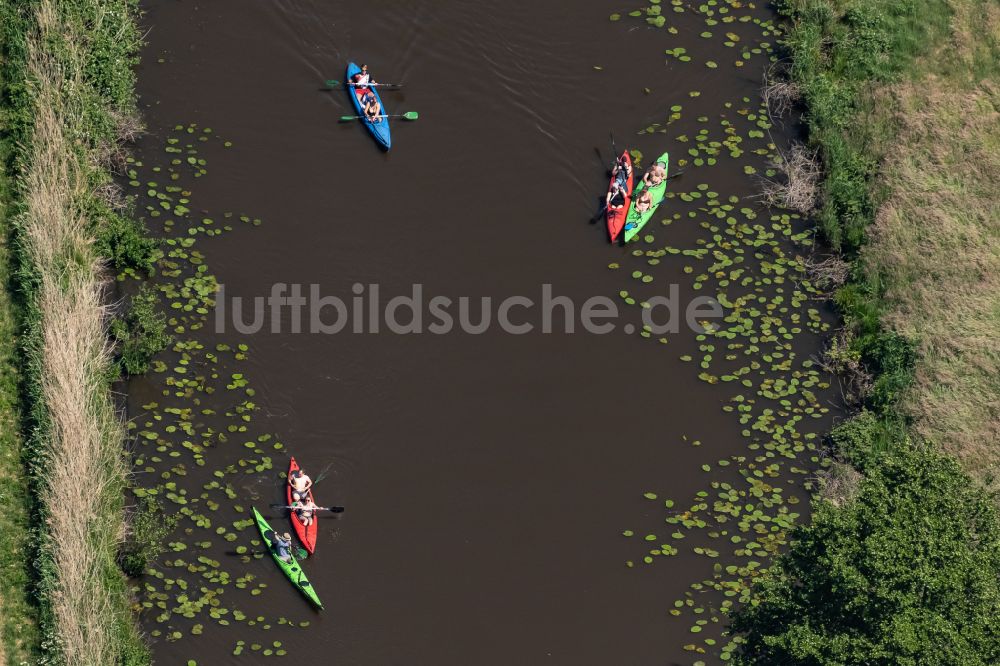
84	469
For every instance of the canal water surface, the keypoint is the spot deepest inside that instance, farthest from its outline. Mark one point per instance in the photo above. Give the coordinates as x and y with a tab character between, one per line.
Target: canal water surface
487	478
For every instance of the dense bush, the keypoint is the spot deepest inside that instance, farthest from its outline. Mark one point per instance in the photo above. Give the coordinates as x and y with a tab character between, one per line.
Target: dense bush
891	358
148	528
123	242
864	439
140	333
906	574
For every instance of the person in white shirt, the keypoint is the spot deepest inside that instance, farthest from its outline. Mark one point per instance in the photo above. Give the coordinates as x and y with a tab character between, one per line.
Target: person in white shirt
300	484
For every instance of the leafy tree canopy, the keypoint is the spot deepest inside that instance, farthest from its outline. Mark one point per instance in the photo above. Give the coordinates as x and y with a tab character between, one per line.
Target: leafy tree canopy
906	573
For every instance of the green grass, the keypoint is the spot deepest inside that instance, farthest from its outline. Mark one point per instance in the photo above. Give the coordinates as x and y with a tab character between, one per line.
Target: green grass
840	50
901	104
19	624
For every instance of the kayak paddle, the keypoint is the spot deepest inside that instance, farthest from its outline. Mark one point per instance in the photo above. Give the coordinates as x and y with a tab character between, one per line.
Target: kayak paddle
334	509
300	552
336	84
409	115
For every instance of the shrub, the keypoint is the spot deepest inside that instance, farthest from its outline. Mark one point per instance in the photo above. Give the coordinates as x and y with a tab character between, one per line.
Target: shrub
123	243
865	438
140	333
890	357
904	574
864	49
149	527
861	312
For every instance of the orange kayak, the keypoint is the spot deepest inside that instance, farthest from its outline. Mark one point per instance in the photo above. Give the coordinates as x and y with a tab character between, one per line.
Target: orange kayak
307	535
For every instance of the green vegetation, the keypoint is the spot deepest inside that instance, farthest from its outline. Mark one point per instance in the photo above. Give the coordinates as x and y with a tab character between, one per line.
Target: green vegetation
902	107
68	107
900	563
122	241
203	424
18	631
753	258
839	49
904	573
140	333
150	526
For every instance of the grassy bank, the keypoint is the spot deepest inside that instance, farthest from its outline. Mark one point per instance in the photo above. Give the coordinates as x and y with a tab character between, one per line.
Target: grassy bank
18	635
901	562
70	107
902	105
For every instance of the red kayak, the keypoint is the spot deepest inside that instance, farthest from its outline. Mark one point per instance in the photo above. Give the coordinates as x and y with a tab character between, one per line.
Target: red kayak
616	216
307	535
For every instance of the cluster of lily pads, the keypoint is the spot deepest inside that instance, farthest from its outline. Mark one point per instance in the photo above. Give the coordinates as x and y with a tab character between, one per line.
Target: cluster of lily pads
201	461
750	259
718	18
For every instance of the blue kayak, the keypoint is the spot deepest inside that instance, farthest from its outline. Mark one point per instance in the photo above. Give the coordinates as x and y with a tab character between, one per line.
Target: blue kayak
380	127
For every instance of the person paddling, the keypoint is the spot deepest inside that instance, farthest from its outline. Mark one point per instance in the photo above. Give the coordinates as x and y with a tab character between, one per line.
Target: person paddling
300	484
372	109
363	77
366	98
619	186
655	174
283	546
616	196
305	511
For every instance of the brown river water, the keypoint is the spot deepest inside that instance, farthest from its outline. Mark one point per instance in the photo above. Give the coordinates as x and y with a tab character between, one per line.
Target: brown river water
487	478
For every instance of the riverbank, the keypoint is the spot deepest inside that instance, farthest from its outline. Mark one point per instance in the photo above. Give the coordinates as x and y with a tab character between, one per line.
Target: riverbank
899	564
69	112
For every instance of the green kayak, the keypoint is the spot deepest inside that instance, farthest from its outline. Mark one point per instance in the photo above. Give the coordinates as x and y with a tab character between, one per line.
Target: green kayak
291	568
636	220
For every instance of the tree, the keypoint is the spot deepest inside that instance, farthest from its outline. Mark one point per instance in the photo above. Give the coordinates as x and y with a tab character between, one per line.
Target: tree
907	573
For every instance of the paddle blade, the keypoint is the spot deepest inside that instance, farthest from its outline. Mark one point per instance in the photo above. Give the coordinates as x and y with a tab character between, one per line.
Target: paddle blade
411	115
332	83
345	119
